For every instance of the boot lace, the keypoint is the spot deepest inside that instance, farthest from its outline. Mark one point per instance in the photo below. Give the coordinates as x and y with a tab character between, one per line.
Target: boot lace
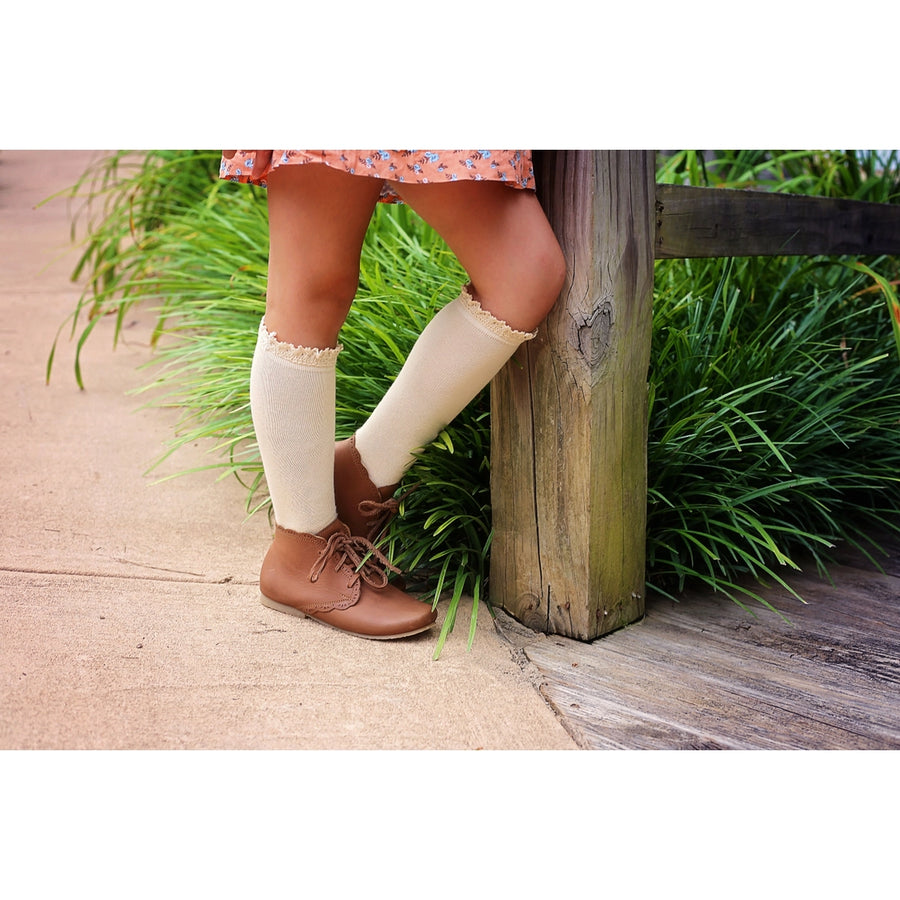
380	512
366	560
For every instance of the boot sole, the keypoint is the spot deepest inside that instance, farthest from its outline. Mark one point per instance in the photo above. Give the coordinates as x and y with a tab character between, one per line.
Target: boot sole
293	611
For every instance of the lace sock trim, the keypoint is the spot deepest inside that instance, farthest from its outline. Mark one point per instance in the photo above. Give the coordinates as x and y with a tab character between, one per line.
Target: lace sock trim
304	356
488	322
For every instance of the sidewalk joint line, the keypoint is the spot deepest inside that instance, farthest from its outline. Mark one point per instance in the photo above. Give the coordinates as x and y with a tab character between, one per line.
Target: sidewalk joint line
198	579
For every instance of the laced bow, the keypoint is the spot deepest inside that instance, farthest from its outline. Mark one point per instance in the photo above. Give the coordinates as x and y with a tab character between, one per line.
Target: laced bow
367	561
380	512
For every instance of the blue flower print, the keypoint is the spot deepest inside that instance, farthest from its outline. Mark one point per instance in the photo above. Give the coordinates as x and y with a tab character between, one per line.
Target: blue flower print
469	164
485	154
383	154
432	157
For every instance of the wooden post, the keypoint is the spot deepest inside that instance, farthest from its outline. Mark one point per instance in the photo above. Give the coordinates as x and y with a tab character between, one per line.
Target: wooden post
569	413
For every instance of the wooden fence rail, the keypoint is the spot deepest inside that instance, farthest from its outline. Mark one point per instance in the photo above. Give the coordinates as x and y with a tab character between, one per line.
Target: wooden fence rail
569	414
703	222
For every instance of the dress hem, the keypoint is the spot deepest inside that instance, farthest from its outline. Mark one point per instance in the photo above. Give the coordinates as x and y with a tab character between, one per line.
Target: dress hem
510	167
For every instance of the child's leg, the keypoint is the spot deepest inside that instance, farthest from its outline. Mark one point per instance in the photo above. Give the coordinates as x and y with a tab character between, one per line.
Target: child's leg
318	219
502	238
317	223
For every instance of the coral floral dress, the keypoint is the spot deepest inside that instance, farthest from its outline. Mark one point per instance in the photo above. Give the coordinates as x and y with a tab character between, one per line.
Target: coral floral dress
512	167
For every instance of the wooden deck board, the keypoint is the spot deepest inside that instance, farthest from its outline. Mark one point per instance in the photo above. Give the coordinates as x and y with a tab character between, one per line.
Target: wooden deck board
704	673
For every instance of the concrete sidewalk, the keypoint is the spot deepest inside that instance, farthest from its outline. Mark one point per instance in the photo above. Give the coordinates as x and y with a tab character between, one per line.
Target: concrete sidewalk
129	612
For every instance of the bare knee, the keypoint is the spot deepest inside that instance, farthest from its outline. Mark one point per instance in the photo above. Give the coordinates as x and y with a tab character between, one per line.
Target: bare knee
335	287
311	310
524	290
550	275
504	241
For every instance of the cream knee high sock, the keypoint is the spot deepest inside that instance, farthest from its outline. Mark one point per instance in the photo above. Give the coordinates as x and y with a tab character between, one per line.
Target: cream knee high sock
457	354
292	395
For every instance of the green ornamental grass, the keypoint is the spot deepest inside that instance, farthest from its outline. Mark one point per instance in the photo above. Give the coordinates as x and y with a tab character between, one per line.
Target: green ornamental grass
774	385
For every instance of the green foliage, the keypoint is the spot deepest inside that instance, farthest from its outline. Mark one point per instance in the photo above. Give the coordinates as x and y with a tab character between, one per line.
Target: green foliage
854	174
773	423
774	386
869	175
130	199
774	391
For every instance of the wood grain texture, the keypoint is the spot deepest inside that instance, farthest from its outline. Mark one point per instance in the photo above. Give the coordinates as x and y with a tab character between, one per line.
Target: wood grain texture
705	674
569	414
696	222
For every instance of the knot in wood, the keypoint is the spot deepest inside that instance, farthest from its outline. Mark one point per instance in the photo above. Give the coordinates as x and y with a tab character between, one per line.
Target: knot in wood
593	333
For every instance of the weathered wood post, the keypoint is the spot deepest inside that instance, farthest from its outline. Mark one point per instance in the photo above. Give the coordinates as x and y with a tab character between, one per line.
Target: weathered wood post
569	413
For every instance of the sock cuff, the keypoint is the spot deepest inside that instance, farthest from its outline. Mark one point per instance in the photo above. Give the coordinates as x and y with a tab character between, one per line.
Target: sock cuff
303	356
488	322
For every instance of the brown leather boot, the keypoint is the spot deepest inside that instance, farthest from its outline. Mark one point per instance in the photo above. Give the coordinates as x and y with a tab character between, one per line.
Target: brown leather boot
364	508
324	576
